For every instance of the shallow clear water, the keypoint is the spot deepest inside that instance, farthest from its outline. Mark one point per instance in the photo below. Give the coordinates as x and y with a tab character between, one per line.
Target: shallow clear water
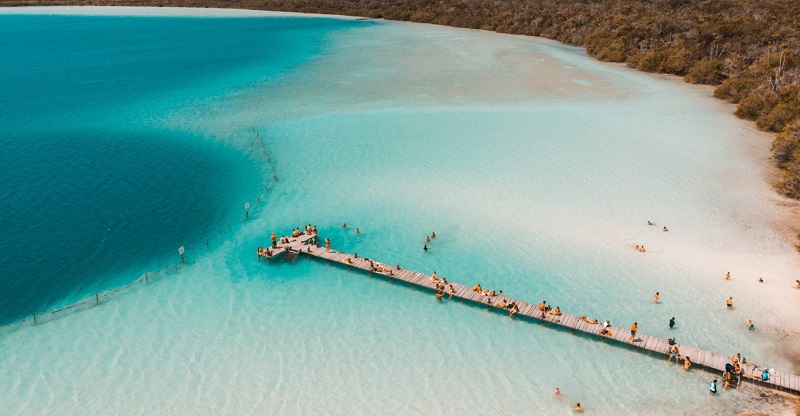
536	166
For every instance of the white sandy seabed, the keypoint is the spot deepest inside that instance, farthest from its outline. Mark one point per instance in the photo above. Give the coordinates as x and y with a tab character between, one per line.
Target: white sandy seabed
538	168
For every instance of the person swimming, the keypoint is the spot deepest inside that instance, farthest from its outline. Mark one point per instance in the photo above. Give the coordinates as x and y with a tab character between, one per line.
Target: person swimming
433	235
578	408
344	225
427	239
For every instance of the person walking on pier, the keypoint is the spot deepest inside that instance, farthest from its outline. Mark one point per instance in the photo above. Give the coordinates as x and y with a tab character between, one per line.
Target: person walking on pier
634	328
327	244
274	239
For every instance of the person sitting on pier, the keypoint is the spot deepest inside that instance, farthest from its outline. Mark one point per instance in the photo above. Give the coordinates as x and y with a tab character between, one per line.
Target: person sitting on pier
686	363
501	304
476	288
671	341
556	311
347	260
513	309
308	229
314	230
439	295
296	232
674	352
434	277
452	291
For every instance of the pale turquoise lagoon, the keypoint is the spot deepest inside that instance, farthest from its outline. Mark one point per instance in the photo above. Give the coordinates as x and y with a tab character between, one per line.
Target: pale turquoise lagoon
537	167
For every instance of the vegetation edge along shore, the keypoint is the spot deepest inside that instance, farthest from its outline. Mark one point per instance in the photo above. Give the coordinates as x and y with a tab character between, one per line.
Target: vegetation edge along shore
748	49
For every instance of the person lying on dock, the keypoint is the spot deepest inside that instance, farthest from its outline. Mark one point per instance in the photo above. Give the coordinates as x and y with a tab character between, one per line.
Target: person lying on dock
434	277
585	319
513	310
501	304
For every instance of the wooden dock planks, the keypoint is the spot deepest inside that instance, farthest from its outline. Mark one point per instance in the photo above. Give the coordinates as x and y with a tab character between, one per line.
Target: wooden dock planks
710	360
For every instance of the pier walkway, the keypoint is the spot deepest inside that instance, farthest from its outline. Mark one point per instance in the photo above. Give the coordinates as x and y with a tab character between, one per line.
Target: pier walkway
779	380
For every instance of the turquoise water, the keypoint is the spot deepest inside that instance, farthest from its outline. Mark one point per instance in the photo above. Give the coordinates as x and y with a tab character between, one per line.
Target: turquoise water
94	189
536	166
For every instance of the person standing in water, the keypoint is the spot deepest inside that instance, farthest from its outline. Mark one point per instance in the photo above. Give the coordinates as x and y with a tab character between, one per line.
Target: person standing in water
656	297
750	326
557	394
712	387
433	235
728	276
578	408
729	302
425	248
671	322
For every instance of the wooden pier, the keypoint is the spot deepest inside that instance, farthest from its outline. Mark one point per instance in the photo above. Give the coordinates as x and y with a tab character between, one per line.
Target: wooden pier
714	362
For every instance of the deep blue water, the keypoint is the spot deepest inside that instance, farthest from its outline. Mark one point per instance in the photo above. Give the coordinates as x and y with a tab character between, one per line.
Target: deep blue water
93	191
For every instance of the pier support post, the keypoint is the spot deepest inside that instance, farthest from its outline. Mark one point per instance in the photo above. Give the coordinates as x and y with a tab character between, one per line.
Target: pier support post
145	277
34	318
96	298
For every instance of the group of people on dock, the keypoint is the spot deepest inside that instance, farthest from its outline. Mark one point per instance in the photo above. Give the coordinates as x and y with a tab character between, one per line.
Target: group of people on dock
545	308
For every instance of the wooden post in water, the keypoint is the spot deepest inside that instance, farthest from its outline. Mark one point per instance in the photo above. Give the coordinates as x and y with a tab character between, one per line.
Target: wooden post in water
96	298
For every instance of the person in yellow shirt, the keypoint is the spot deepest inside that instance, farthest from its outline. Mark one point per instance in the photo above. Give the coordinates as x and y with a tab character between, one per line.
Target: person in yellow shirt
634	328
